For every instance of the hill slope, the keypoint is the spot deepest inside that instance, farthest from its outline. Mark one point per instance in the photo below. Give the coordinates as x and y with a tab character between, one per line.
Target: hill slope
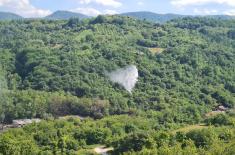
153	17
65	15
188	61
9	16
162	18
57	68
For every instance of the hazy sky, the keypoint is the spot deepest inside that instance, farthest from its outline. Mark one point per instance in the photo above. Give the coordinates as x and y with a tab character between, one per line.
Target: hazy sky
38	8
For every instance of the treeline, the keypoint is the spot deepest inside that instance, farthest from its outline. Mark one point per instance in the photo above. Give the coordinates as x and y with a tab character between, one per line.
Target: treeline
127	134
45	105
35	104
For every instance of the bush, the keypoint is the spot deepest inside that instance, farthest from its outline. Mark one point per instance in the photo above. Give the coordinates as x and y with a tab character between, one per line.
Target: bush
202	138
219	120
147	43
134	141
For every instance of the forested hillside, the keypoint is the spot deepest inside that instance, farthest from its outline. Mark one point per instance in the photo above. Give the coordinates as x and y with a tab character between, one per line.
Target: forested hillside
163	18
9	16
57	68
153	17
63	15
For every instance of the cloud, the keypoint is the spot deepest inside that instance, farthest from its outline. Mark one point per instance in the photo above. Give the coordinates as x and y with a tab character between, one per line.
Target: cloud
112	3
87	11
205	11
110	12
182	3
140	3
22	7
230	12
93	12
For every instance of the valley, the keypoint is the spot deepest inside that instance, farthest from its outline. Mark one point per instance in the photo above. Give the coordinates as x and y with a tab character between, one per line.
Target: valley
115	83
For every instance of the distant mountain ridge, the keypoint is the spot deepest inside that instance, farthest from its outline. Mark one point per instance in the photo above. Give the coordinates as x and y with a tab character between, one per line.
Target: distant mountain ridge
153	17
9	16
162	18
65	15
142	15
58	15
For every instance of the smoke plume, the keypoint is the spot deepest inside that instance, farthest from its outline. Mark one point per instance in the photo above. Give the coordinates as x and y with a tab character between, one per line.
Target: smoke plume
126	77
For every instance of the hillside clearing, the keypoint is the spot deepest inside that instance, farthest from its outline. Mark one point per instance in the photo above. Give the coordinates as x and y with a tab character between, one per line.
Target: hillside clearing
156	50
190	127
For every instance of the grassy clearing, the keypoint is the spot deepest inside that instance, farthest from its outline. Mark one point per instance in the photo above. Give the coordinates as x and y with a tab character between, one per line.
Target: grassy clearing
156	50
83	34
190	127
88	150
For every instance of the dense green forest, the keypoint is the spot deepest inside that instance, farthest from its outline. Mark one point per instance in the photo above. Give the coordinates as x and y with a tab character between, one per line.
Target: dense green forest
127	134
50	69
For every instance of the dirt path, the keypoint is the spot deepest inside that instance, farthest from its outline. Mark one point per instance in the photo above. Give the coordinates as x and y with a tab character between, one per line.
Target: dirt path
102	150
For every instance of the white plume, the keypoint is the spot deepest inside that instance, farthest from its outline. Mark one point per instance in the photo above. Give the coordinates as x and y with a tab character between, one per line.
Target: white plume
127	77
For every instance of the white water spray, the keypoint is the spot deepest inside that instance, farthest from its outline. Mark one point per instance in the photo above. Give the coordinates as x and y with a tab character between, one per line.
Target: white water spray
126	77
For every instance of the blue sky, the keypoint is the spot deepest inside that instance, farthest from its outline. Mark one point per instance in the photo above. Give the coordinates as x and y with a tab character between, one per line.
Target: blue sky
40	8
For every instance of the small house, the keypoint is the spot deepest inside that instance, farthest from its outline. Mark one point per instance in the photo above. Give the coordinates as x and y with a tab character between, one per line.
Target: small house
22	122
221	108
